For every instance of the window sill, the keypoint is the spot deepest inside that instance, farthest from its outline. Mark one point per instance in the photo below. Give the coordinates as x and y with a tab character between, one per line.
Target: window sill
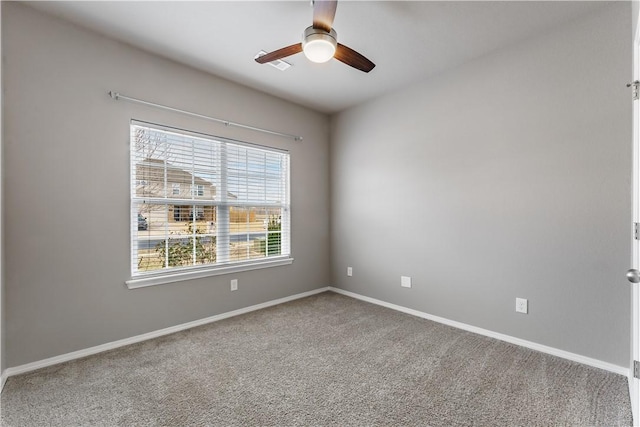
161	279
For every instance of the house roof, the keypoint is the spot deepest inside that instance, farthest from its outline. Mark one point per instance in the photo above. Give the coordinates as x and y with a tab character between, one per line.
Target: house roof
156	167
151	169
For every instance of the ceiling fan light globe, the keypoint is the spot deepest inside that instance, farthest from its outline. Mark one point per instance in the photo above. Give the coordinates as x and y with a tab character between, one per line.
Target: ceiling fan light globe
319	45
319	50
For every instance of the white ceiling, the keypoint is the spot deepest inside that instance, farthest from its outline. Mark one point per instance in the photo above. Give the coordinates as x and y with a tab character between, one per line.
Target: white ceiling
407	40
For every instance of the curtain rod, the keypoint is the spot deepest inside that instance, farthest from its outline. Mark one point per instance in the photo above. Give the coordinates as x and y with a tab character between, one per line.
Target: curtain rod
118	96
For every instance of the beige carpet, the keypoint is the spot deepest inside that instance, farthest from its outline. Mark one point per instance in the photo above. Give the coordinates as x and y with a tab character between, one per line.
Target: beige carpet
323	360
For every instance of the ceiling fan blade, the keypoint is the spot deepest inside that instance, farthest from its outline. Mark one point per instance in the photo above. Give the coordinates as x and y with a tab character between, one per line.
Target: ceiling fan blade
323	13
280	53
353	58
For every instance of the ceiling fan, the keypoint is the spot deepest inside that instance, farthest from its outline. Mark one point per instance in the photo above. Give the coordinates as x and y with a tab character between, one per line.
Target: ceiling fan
320	41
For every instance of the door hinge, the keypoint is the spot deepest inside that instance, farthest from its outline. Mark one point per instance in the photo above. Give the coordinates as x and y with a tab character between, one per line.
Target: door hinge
636	369
636	231
636	89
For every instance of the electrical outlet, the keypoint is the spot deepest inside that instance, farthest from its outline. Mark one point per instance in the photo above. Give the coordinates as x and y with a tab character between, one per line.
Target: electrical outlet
522	305
234	284
349	271
405	281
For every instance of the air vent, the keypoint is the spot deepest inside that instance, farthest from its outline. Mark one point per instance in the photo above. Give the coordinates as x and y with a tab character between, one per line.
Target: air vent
278	63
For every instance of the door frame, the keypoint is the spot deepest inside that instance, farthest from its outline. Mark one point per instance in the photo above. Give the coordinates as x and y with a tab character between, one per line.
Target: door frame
634	383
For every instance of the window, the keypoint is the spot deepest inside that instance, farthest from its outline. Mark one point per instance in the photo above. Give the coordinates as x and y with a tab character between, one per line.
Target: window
197	190
235	217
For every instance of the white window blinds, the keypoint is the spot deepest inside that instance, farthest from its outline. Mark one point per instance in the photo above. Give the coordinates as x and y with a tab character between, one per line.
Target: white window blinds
199	201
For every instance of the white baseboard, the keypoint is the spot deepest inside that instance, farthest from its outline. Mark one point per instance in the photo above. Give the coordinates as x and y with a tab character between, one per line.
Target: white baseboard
150	335
502	337
155	334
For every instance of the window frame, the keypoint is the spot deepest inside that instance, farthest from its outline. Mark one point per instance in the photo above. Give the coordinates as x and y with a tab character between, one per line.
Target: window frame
227	266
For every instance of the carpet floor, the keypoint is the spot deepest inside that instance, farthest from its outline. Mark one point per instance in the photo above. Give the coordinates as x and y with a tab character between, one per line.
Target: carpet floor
326	360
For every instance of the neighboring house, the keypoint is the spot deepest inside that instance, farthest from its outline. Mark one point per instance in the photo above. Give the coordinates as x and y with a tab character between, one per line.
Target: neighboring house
157	179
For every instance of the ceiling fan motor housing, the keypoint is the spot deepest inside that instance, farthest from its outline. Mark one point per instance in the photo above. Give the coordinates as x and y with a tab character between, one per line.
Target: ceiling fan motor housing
319	45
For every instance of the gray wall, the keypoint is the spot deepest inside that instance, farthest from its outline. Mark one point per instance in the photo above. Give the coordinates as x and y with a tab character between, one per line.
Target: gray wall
635	6
66	187
507	177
